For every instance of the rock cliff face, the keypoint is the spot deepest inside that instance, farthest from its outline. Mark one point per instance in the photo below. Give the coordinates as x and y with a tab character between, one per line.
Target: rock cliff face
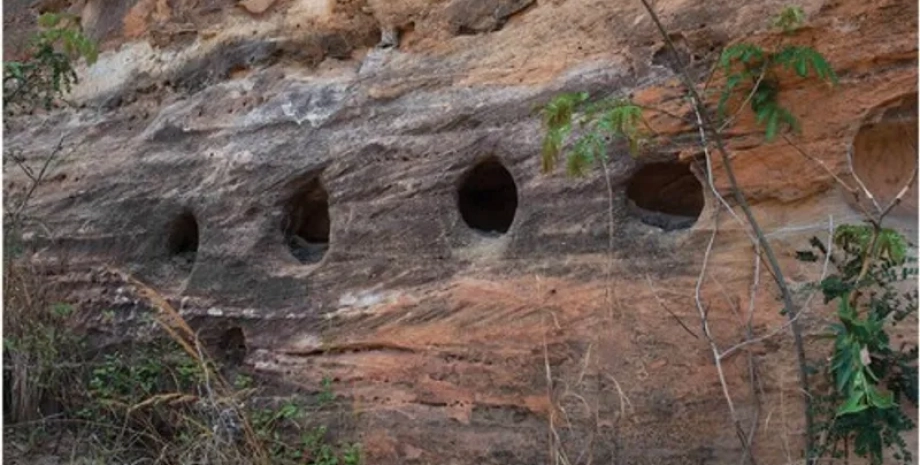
356	186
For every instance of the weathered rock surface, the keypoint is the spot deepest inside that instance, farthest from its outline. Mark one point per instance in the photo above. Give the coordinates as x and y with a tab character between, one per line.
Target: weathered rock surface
196	140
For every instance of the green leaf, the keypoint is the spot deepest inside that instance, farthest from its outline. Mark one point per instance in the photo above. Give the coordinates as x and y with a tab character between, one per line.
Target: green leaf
801	68
880	401
746	53
49	20
854	404
588	149
731	82
802	58
892	244
552	145
772	123
868	441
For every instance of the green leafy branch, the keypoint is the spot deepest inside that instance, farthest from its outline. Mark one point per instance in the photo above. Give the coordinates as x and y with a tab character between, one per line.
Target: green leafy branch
869	377
754	71
599	123
48	73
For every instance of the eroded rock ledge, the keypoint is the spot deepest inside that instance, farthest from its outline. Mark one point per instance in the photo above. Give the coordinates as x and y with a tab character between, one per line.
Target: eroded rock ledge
377	215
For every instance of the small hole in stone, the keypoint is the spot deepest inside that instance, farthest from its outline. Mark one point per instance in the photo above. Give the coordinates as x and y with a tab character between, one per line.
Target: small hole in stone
666	195
306	223
182	241
233	345
487	197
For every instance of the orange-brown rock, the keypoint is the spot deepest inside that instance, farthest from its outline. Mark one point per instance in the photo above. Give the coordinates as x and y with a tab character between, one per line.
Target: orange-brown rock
282	174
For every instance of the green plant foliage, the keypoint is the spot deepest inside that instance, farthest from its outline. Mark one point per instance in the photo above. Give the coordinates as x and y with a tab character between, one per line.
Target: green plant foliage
311	445
752	70
48	73
886	244
598	123
789	19
869	377
557	119
803	60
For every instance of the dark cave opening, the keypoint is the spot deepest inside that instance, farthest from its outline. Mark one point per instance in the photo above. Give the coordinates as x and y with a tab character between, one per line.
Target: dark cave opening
182	239
487	197
666	195
306	222
232	345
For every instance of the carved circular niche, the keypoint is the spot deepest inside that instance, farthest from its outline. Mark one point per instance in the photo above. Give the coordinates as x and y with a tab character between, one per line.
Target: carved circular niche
665	195
306	222
487	197
885	154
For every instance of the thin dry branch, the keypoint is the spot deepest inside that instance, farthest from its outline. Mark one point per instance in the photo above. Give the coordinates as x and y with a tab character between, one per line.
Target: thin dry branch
36	179
717	361
747	100
859	181
665	307
899	197
706	126
803	309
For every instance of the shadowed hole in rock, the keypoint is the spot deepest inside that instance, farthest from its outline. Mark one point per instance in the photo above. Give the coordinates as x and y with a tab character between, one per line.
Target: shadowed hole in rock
306	222
665	195
182	240
232	345
487	197
885	154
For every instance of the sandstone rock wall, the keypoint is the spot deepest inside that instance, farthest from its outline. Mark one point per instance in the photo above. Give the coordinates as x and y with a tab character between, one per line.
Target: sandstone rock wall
209	140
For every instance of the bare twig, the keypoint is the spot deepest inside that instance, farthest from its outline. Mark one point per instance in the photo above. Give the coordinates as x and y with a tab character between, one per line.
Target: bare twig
859	181
36	179
609	261
717	361
894	202
747	100
752	363
665	307
821	163
788	302
802	311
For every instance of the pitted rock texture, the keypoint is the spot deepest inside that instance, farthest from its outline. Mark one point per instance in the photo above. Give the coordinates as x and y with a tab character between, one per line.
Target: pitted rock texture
192	153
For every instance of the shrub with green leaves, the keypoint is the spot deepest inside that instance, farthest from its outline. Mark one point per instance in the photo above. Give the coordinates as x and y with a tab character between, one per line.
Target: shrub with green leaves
48	73
869	378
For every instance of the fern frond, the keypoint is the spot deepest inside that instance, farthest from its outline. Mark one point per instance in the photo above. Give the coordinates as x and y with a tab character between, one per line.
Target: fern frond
801	59
589	148
731	82
557	120
552	145
558	112
748	54
623	119
776	118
